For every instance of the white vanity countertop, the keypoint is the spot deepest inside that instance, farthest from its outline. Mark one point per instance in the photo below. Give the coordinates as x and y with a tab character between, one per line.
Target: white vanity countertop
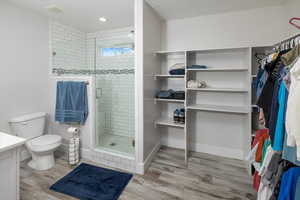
8	142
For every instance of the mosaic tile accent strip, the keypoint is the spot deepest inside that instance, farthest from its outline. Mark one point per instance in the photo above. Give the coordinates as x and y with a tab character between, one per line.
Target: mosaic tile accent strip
60	71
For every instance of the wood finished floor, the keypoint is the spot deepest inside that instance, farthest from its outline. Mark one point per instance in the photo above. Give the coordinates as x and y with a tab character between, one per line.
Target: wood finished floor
207	177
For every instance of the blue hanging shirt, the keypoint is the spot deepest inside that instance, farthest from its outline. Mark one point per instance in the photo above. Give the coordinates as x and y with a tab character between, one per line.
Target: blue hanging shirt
280	123
289	184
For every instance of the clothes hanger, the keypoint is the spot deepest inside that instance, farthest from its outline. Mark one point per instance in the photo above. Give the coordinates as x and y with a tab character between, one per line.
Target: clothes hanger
293	23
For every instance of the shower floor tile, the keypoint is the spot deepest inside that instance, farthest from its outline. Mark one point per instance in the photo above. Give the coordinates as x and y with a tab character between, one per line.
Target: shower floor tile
116	144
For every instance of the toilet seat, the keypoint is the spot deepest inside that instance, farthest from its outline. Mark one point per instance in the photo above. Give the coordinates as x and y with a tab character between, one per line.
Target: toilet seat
45	143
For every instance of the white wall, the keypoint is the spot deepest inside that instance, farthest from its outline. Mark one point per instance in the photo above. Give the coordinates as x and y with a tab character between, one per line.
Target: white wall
292	10
152	42
148	40
257	27
24	63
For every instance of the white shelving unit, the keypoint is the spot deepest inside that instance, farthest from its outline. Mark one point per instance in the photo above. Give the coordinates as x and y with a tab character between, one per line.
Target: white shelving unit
224	105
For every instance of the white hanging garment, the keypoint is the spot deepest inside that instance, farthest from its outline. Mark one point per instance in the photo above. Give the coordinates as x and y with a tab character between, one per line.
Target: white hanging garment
293	109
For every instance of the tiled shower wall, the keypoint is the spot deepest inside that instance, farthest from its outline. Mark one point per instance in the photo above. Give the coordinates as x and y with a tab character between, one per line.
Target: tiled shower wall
69	47
115	86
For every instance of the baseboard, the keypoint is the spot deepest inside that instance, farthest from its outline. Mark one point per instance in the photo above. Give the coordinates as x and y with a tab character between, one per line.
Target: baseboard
214	150
141	168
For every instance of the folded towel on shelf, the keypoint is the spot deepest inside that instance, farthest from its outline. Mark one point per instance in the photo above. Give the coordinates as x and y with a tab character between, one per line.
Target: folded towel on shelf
177	72
197	67
165	94
180	95
196	84
177	66
177	69
170	94
71	102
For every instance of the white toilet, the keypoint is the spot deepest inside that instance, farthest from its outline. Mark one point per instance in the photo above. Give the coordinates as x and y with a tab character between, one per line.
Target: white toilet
41	147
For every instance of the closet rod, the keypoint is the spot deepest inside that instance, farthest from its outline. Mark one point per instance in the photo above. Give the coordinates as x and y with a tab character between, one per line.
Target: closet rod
286	40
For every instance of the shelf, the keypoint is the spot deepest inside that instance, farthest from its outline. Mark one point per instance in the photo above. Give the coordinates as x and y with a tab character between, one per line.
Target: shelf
168	76
233	90
169	52
168	122
219	69
219	108
169	100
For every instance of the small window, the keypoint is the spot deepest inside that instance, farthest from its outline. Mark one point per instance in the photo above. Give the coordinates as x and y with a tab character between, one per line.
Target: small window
116	51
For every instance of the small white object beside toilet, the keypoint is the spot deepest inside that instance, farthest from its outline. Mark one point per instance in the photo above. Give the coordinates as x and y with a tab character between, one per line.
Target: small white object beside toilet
41	147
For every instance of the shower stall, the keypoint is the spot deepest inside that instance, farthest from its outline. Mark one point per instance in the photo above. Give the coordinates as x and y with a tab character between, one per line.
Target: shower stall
114	85
106	59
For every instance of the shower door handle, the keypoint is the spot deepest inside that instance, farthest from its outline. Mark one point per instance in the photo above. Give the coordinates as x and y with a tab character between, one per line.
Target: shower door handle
98	93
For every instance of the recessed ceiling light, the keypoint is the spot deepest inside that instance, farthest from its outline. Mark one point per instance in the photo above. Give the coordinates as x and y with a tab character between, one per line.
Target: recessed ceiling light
102	19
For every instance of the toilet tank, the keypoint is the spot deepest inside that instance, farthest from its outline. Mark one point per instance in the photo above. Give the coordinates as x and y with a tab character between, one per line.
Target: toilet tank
29	126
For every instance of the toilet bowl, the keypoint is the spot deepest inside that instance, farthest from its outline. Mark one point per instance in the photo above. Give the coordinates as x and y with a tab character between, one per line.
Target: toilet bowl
42	151
41	147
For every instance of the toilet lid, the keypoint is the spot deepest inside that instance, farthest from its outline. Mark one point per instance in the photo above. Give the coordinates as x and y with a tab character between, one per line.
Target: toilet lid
46	140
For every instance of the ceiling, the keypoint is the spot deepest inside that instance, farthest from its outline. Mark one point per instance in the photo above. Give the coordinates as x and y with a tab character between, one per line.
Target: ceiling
84	14
177	9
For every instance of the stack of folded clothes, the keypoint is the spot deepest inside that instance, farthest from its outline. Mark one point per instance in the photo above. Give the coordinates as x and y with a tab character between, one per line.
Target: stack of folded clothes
197	67
170	94
177	69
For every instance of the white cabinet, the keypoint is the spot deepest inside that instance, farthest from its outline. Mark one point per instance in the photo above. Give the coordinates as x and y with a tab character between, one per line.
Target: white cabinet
9	166
9	173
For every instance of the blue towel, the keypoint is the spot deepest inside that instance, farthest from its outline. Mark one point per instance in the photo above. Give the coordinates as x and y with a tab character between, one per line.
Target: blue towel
71	102
197	67
177	72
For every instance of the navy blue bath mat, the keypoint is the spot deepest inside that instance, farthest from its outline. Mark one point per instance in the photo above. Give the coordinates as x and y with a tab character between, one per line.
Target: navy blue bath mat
88	182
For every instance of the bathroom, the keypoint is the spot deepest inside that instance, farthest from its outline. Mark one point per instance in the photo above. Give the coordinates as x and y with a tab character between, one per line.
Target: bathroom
155	134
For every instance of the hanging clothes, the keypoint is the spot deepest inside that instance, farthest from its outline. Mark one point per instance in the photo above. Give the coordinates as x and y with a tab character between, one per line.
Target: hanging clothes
278	138
293	109
283	167
265	191
289	184
256	181
291	56
274	111
290	153
266	145
260	137
261	80
265	100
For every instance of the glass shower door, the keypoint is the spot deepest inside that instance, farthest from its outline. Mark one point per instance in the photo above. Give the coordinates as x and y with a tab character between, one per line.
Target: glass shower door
115	95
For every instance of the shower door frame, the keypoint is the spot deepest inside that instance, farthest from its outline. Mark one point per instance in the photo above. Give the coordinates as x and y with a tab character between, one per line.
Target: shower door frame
138	115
